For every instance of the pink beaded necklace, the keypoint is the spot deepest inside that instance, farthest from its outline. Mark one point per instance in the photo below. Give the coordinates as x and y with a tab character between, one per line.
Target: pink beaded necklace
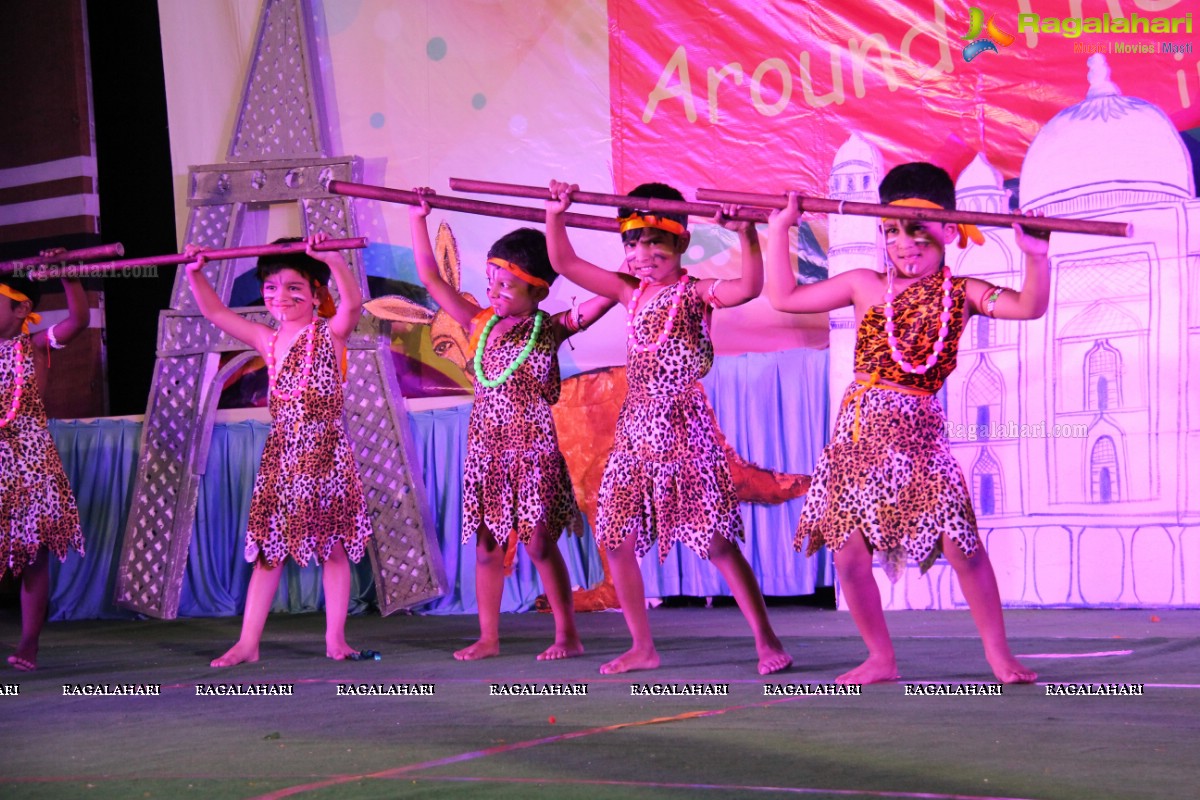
634	343
19	389
890	327
272	373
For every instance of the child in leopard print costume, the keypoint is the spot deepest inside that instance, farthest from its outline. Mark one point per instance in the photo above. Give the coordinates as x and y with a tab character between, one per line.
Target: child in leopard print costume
515	483
888	482
308	500
38	515
667	477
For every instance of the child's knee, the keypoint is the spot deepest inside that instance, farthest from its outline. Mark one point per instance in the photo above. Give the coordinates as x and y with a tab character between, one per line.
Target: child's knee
541	548
853	557
959	560
488	554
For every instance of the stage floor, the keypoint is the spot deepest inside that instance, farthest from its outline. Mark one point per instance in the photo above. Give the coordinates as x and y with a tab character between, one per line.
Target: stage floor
463	741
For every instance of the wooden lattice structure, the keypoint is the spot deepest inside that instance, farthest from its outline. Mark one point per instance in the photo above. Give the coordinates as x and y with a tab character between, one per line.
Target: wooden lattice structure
277	154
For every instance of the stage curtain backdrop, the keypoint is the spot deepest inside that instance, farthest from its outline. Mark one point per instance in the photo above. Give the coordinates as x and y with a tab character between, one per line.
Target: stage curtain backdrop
771	406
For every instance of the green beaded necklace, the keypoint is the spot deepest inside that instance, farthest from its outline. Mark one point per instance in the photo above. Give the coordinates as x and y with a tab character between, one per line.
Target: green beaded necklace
517	362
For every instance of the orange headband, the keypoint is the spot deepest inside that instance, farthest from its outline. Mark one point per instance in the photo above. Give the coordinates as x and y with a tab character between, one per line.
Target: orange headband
637	220
508	266
965	230
20	297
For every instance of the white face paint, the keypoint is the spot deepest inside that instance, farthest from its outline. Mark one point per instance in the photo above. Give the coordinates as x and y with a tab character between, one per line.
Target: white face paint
654	257
509	295
914	247
288	296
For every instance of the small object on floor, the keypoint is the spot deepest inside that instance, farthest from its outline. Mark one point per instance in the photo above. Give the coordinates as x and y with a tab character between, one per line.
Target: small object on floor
1155	618
552	720
365	655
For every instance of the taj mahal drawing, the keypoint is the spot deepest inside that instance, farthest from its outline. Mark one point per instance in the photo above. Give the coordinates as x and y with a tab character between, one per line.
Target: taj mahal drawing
1077	432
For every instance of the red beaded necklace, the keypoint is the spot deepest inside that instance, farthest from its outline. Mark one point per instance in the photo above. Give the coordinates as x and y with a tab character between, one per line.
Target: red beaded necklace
635	344
890	327
19	389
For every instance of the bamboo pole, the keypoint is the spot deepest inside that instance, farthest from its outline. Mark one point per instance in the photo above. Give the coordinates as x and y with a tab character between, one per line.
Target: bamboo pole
466	206
823	205
82	254
705	211
249	251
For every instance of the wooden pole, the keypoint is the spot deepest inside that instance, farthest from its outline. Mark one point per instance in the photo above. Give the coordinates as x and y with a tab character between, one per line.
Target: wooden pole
249	251
704	211
83	254
465	206
823	205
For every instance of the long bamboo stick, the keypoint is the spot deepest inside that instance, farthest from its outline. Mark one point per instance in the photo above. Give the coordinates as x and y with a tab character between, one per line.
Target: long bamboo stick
655	204
82	254
483	208
249	251
823	205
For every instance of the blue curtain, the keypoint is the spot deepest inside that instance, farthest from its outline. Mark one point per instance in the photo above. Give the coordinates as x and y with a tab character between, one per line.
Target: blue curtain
773	407
100	459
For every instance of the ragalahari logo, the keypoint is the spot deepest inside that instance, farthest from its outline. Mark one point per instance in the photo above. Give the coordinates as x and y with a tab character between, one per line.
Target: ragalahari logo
995	36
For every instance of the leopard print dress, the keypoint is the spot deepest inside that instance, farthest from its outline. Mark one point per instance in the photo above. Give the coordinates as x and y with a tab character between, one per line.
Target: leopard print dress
667	477
515	477
37	507
307	494
889	472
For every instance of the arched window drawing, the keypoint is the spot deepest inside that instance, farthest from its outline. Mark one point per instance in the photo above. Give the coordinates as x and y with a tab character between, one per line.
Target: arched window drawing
985	332
1105	471
985	397
1102	374
987	484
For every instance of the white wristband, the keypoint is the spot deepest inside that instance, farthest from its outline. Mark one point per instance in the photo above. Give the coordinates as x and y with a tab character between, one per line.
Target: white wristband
53	340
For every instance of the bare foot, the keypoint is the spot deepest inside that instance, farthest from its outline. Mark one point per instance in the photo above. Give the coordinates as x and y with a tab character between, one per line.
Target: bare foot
339	651
630	661
1009	670
568	649
238	654
481	649
873	670
23	662
772	657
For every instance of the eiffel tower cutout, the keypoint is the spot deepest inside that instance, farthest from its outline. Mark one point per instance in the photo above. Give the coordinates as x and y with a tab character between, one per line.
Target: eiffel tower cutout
277	154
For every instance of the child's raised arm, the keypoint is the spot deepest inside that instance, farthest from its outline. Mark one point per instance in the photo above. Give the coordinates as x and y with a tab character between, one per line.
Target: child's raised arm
216	312
349	307
565	260
782	290
582	317
453	302
78	317
748	285
1033	299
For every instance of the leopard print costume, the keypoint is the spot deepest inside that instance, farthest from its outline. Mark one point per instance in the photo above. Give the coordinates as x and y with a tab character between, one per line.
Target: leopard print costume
37	507
889	472
307	494
667	477
515	477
